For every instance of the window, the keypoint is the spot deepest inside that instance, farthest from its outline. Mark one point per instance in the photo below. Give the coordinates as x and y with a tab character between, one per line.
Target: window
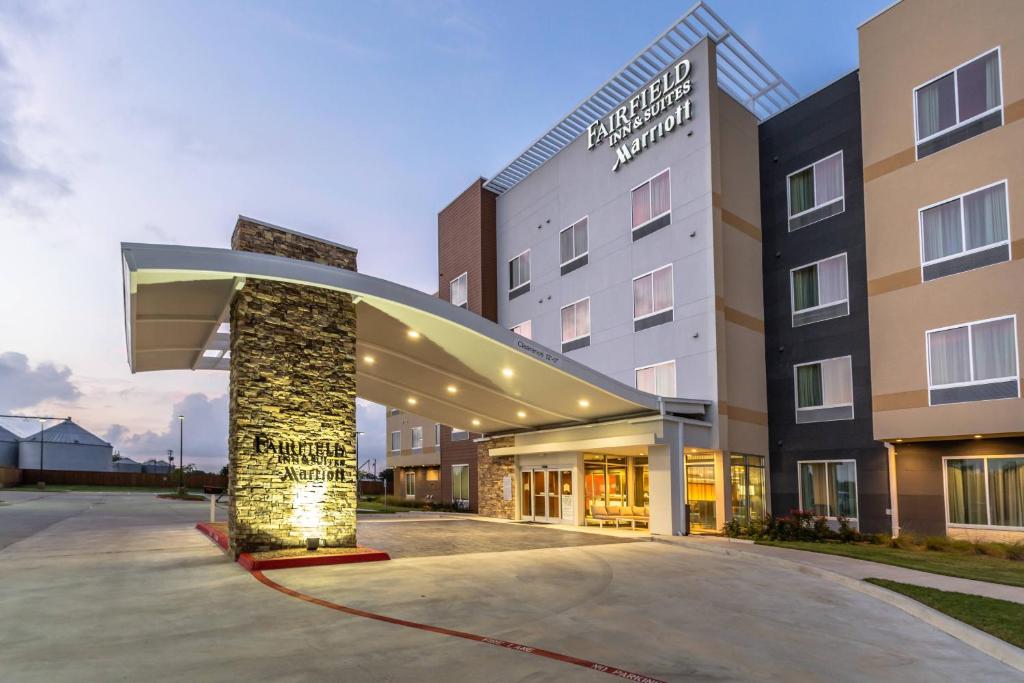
396	441
657	379
652	298
816	192
417	438
819	291
576	325
459	434
519	275
651	204
573	246
973	362
747	490
959	104
829	487
985	491
459	290
437	435
824	390
524	329
965	232
410	483
460	483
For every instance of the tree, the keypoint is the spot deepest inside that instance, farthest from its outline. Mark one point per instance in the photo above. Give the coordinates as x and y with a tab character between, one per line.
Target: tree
224	471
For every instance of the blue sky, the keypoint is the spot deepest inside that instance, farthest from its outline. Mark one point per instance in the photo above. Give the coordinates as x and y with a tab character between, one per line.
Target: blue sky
357	121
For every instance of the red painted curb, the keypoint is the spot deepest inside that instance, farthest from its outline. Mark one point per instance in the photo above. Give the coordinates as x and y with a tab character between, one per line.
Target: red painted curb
215	532
508	645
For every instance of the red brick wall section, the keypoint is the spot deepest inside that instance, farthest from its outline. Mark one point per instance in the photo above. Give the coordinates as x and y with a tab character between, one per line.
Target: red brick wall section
466	243
461	452
492	472
426	490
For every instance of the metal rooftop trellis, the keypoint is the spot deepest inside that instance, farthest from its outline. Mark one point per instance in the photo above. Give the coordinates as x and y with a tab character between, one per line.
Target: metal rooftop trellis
742	73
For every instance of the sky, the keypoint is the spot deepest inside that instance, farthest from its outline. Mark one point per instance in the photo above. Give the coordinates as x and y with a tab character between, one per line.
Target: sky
356	121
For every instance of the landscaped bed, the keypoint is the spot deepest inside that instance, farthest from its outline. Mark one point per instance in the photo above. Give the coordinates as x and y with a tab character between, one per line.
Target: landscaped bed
963	564
1000	618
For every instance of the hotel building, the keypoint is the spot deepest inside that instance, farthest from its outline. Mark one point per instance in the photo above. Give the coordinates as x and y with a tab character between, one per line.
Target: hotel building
831	284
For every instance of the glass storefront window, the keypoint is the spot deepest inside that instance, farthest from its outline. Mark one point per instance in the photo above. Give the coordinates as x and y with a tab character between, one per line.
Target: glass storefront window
748	495
700	490
615	481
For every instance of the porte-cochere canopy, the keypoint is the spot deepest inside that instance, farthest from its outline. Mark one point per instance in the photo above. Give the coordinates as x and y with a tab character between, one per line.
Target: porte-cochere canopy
414	351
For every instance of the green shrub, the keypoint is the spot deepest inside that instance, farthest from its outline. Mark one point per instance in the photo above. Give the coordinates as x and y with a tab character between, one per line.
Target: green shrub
904	542
991	550
733	528
1015	551
938	543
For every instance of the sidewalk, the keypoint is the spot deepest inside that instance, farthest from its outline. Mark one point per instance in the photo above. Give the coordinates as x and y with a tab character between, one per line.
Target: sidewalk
849	567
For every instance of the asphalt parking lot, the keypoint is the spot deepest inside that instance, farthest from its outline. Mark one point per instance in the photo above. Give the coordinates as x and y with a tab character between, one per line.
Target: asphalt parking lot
119	587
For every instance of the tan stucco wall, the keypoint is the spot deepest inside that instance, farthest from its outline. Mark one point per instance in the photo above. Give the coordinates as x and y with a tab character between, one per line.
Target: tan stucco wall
901	307
403	422
739	295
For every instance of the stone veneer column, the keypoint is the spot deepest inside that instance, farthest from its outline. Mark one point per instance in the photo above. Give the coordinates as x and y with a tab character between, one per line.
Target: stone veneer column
292	402
490	482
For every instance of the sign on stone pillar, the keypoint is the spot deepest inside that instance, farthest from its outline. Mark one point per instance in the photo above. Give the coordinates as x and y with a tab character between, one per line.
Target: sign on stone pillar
292	415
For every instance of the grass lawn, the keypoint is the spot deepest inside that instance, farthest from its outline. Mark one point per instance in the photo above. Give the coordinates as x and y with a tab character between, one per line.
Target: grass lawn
89	488
965	566
375	507
1000	618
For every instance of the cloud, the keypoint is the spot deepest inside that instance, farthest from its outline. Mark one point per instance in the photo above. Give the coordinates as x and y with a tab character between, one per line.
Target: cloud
22	386
205	434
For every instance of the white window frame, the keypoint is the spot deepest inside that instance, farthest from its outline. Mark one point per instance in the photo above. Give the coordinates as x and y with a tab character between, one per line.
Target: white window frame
792	289
675	376
466	465
410	478
672	278
393	449
963	226
577	256
650	200
590	318
525	336
988	498
412	437
956	99
840	198
800	483
508	271
970	351
452	282
796	391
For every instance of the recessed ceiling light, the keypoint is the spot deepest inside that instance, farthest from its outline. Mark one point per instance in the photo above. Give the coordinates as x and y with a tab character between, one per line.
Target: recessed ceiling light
584	403
370	360
977	436
413	334
899	440
476	422
452	388
507	372
411	400
521	413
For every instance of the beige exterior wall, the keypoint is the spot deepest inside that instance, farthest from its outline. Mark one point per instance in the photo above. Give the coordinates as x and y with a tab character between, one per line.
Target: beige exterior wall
429	455
901	49
739	295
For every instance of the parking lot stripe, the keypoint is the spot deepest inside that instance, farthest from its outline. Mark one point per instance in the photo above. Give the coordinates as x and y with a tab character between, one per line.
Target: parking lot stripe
508	645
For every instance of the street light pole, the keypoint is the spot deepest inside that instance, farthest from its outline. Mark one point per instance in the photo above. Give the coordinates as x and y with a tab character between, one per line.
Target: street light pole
181	454
41	483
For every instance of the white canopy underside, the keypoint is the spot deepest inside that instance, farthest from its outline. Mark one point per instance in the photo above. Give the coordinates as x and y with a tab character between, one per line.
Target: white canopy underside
461	370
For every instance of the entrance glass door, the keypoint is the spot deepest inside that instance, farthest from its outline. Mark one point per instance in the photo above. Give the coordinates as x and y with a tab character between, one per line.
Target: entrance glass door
700	491
547	495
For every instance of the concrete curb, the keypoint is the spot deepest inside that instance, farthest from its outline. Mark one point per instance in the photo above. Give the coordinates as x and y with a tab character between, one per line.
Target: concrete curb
983	642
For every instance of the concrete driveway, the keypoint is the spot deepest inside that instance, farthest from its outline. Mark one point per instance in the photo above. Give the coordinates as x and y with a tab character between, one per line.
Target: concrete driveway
119	587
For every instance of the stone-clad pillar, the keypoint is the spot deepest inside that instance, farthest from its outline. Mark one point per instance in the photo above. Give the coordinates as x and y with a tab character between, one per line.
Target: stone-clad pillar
292	415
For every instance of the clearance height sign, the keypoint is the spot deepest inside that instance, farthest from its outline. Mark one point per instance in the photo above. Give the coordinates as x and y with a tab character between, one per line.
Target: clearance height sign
648	116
